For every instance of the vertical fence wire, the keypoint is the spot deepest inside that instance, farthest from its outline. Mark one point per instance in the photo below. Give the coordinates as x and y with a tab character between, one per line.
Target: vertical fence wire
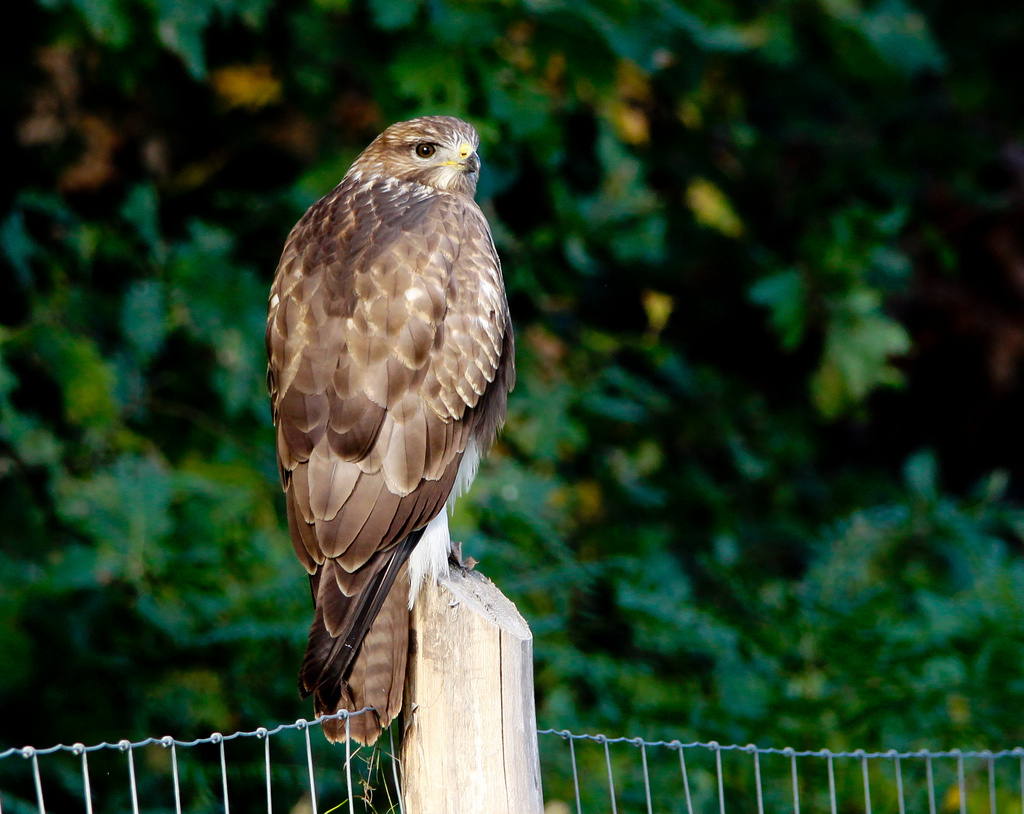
79	748
224	773
718	771
930	775
177	778
960	786
37	780
647	776
866	780
831	784
990	765
264	735
899	784
794	781
1022	783
575	774
309	764
611	777
133	786
348	763
394	771
686	780
757	778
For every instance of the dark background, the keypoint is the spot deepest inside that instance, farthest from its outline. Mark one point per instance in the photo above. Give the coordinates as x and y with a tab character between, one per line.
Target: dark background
761	475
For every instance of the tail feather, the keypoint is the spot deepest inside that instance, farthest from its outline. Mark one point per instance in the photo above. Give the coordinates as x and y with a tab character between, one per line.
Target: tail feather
364	663
377	677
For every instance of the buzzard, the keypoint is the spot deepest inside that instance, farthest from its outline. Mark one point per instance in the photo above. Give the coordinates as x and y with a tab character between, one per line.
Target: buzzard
390	362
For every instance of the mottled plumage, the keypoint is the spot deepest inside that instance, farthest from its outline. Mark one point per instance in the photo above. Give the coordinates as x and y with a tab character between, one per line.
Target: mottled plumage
391	358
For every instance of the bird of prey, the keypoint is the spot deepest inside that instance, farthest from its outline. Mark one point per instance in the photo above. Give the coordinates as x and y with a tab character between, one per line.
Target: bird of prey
390	362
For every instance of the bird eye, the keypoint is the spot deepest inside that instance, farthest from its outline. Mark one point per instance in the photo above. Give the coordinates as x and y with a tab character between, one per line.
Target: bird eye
425	149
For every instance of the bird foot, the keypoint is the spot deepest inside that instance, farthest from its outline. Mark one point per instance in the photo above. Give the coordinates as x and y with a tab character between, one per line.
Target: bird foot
456	558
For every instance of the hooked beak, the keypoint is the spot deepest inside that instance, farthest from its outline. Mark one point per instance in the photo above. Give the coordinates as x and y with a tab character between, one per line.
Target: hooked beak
468	161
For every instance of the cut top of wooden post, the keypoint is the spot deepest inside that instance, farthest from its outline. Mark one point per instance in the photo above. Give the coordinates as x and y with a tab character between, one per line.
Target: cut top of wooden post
470	745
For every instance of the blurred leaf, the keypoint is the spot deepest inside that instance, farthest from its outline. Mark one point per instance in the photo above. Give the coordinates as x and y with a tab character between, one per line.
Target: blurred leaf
423	75
87	378
127	510
857	358
392	14
181	24
200	692
141	210
248	86
899	34
711	38
711	208
783	294
17	246
144	318
658	307
106	19
921	474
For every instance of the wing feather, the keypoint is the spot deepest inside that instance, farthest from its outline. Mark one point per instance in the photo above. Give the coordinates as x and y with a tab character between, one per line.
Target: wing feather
331	481
337	534
303	536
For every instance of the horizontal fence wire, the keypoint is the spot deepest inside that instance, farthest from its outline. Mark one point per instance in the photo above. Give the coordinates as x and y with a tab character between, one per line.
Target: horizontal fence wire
172	746
582	773
597	773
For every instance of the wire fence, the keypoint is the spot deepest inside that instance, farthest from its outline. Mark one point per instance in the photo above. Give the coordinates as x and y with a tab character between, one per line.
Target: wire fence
716	778
303	772
582	773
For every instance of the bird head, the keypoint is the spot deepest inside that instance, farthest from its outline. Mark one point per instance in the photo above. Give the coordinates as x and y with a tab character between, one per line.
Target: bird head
436	151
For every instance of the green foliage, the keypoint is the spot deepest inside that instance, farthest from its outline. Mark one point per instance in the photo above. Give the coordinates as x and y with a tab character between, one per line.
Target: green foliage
764	262
843	299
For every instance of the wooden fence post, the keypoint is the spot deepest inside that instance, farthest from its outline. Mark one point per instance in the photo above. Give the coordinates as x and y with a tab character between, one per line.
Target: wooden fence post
470	744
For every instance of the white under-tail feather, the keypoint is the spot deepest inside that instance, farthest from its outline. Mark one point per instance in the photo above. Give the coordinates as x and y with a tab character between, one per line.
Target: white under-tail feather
429	560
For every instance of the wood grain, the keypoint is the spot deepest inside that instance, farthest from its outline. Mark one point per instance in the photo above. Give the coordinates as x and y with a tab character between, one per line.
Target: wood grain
470	745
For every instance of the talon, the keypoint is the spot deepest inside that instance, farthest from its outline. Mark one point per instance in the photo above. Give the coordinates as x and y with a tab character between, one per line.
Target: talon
456	558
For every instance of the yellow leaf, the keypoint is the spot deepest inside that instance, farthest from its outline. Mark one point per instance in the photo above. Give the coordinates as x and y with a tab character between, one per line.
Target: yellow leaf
658	307
629	110
630	122
711	208
951	799
248	86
